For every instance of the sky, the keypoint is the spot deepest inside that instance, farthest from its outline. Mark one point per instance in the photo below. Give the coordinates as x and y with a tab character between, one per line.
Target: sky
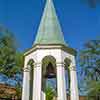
79	22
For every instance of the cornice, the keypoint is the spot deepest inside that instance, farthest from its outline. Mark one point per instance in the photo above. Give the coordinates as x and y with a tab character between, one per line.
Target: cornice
51	46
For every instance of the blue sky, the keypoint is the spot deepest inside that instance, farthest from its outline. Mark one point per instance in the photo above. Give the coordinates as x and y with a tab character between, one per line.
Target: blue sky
79	22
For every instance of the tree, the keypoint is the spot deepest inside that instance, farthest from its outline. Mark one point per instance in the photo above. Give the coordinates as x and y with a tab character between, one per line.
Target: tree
90	68
94	90
11	60
90	60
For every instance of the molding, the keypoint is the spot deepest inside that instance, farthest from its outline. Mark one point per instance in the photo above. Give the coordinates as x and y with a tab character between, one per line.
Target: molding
72	68
38	64
51	46
60	64
26	69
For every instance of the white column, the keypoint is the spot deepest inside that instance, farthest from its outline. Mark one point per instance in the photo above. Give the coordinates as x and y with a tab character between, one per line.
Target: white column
43	96
26	83
73	81
37	81
61	84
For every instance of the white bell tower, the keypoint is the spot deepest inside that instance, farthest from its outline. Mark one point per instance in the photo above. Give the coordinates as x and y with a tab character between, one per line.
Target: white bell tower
49	57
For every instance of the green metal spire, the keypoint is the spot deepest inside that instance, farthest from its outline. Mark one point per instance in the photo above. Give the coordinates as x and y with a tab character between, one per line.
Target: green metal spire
49	31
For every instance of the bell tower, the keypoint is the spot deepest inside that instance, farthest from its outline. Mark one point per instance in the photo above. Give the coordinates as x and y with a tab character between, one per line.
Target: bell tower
50	57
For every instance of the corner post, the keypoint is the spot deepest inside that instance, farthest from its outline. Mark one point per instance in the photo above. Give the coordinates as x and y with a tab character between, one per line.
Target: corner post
37	81
73	83
61	84
26	83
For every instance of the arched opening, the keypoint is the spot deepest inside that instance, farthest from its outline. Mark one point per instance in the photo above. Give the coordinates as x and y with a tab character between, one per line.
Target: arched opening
31	65
49	76
50	71
67	63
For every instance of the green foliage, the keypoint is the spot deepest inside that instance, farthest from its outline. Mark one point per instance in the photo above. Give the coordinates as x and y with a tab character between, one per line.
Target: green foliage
11	60
90	68
50	93
18	91
94	90
90	60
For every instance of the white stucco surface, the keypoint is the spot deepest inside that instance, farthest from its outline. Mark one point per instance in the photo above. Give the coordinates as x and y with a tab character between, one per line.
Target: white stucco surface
59	55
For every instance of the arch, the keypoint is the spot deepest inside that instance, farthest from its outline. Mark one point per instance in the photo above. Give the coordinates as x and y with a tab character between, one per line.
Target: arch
48	70
67	63
46	62
30	62
48	59
31	65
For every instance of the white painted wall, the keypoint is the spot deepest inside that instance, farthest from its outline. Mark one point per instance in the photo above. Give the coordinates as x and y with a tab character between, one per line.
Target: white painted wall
60	56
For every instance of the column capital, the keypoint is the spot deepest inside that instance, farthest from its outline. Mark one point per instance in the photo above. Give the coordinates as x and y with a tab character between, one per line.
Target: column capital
72	68
60	64
26	69
38	64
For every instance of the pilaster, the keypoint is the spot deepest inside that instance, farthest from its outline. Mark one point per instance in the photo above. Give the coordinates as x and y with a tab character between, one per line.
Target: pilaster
37	81
43	96
61	84
26	84
73	82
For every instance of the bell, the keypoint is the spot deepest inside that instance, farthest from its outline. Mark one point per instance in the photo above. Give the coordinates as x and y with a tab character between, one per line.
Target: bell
50	75
50	72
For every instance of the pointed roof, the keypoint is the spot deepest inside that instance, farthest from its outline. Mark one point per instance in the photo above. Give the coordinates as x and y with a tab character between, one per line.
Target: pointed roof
49	31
